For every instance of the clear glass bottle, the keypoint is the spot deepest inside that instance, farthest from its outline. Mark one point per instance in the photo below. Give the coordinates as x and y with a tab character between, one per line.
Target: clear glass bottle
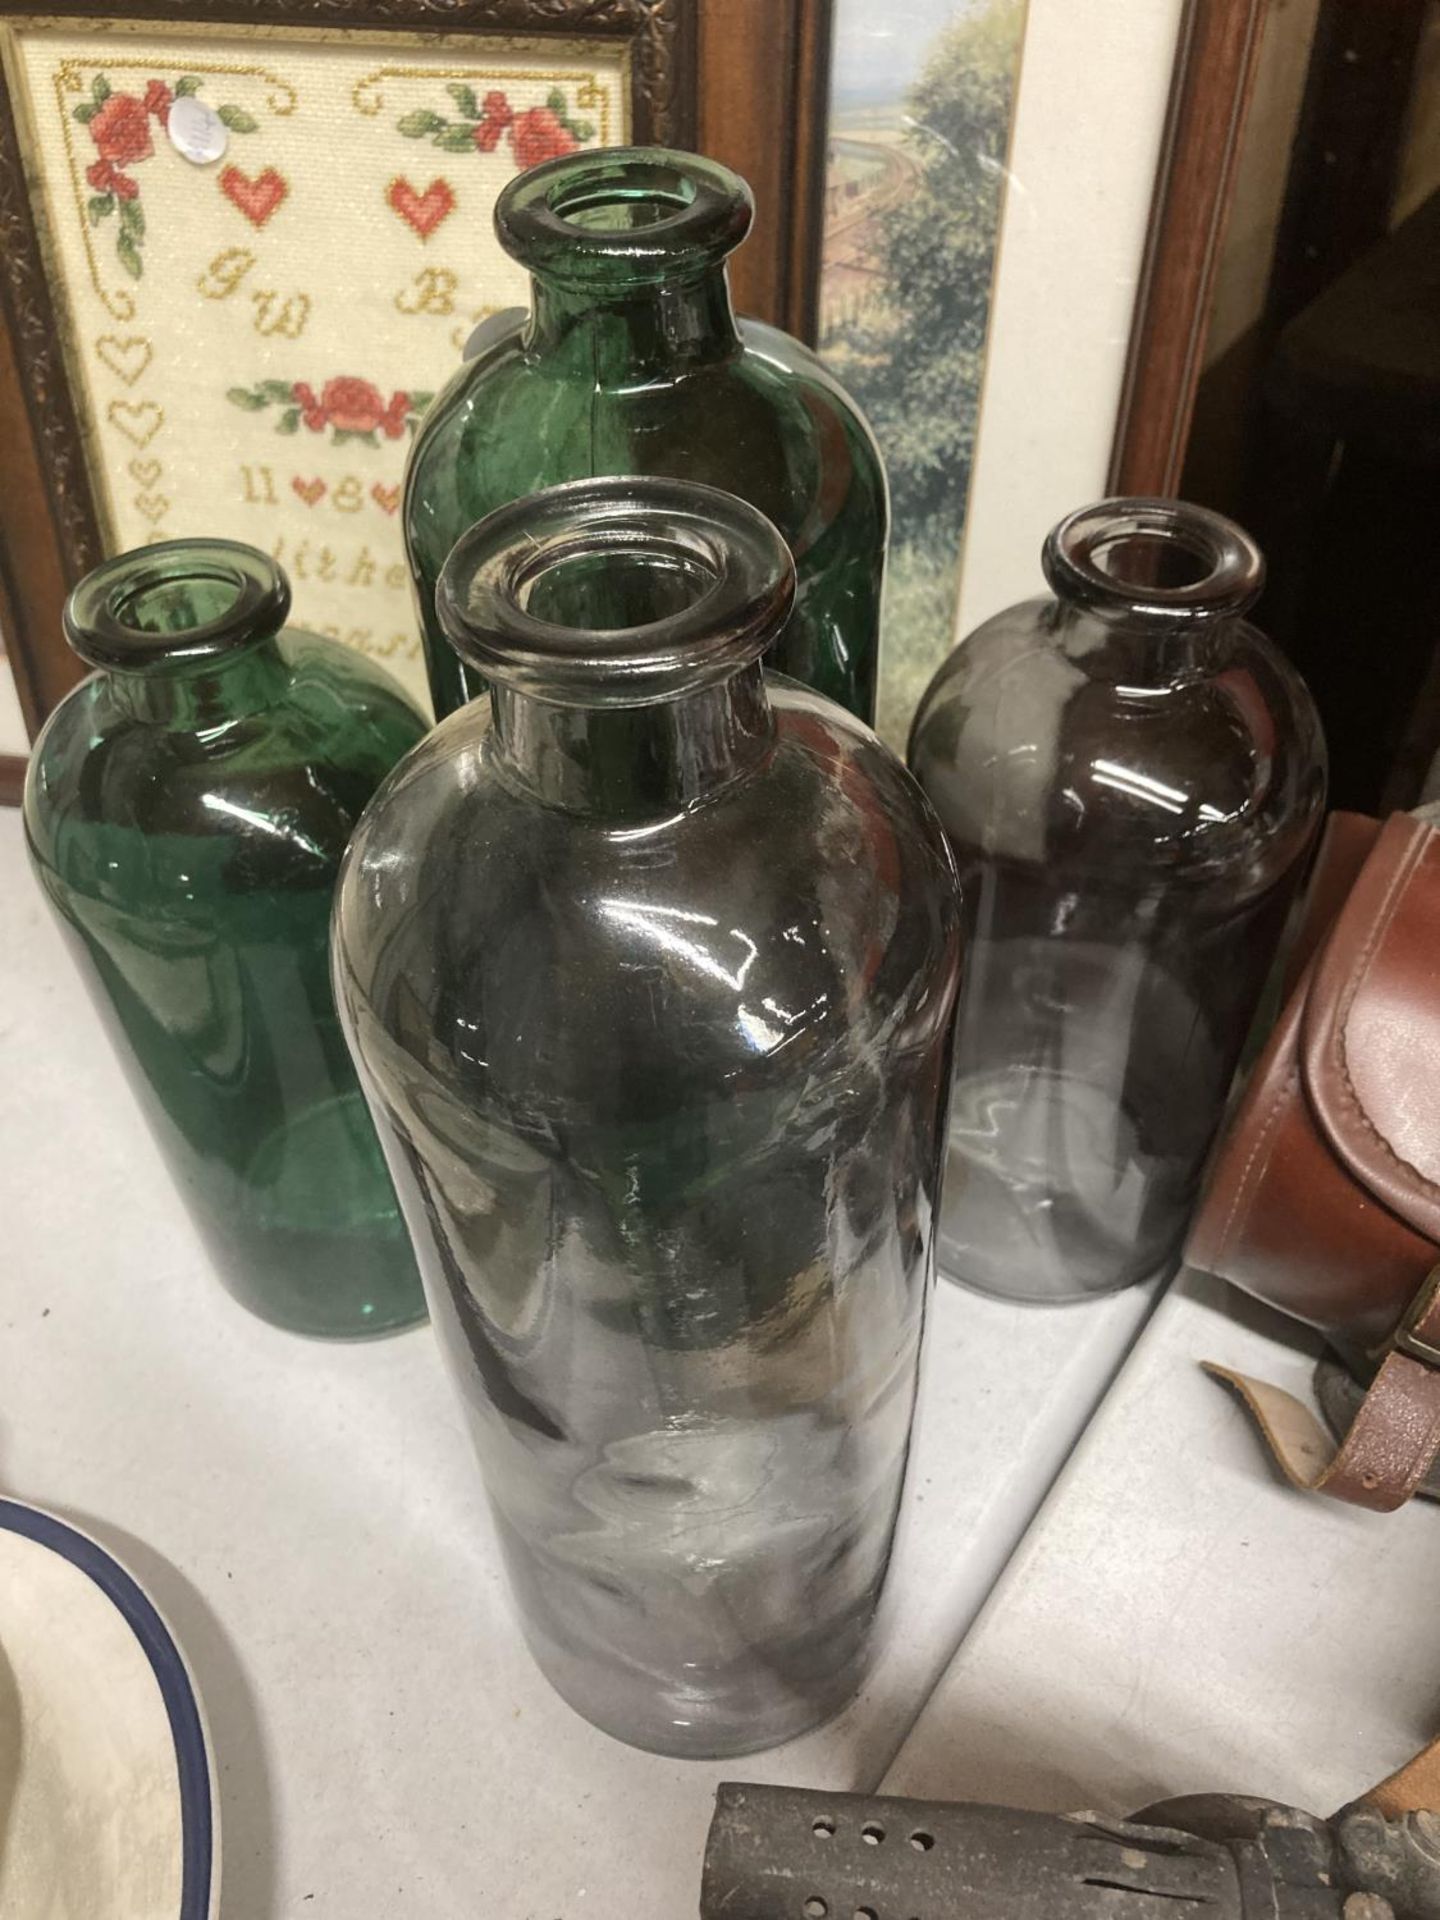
186	809
1130	776
649	966
631	361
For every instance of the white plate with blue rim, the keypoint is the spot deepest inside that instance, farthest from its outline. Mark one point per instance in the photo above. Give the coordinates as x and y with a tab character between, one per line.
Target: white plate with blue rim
107	1787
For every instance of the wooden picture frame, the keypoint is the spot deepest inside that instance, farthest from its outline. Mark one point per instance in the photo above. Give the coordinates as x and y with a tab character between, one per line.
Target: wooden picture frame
744	80
1213	83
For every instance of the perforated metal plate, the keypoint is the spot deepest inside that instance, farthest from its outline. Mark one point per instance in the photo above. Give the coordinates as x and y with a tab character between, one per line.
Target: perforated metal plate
783	1853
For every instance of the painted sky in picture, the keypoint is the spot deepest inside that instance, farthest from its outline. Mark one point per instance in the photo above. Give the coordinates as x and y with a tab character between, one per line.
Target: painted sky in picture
878	49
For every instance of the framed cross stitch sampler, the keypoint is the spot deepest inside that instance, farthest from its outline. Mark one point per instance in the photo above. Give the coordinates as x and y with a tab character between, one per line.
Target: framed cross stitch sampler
242	243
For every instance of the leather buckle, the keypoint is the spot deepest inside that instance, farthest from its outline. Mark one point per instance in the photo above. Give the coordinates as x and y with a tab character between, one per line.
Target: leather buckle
1405	1339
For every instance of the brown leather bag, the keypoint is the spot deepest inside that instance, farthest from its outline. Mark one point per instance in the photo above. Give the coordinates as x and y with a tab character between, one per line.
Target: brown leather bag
1324	1198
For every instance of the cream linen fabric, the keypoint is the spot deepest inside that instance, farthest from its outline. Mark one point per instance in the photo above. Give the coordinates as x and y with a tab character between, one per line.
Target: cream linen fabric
251	350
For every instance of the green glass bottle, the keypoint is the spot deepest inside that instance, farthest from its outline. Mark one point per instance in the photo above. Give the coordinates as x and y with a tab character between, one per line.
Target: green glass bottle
631	361
186	811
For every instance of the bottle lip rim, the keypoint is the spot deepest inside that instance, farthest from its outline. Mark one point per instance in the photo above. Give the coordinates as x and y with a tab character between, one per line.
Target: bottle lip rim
712	212
743	570
96	629
1233	567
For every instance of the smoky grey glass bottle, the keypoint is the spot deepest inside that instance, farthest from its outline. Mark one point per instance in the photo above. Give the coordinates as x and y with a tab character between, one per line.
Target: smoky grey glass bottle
649	967
1130	776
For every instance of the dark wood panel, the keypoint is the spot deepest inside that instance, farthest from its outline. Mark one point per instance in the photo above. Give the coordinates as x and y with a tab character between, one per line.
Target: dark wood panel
764	93
1347	148
1214	78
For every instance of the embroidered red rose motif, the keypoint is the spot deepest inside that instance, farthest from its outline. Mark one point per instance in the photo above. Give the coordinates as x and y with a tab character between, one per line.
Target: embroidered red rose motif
121	130
308	401
158	100
106	177
353	409
395	417
540	134
119	124
354	406
495	116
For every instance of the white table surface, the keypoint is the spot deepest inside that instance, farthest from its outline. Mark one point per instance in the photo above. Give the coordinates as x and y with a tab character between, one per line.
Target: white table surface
310	1518
1179	1620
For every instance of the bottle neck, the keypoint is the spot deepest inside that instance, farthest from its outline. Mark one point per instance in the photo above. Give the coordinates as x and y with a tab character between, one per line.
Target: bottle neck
636	331
1144	656
208	696
630	763
1150	593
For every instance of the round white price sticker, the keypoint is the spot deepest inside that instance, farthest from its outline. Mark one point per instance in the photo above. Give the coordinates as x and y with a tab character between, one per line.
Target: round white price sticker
196	131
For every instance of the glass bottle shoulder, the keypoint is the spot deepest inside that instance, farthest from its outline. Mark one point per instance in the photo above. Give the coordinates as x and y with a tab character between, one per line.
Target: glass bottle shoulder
1037	742
502	915
767	421
282	762
768	360
771	348
347	708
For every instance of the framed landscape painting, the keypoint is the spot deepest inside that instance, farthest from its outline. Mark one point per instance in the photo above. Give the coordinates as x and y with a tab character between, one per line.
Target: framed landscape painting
1023	205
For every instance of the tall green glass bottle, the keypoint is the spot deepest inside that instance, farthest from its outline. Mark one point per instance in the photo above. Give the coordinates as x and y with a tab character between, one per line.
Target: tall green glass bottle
186	810
631	361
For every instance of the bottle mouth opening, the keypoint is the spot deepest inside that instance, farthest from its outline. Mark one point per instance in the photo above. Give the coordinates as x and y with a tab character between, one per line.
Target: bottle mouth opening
177	602
647	197
160	606
1162	560
600	587
616	592
620	213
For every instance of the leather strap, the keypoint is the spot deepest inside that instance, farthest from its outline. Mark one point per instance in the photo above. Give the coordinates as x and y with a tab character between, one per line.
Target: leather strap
1389	1449
1413	1788
1393	1439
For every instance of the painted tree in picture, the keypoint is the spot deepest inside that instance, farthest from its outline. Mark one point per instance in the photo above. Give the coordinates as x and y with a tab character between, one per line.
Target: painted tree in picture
913	199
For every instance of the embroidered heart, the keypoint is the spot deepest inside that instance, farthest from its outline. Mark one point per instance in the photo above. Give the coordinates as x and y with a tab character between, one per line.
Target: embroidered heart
138	420
422	211
257	199
154	506
127	359
309	490
146	472
387	498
